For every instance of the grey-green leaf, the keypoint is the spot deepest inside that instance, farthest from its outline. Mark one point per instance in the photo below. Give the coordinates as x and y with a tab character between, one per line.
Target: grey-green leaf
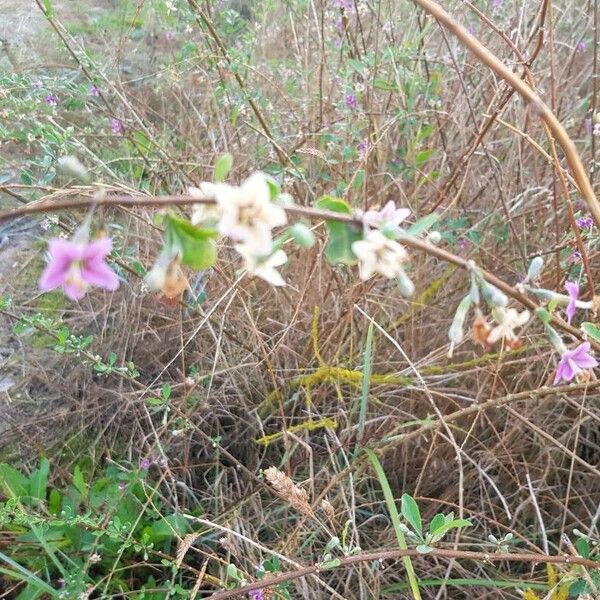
410	511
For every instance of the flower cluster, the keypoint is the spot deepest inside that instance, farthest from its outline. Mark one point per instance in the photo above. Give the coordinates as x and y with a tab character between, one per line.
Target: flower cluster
247	215
507	320
378	251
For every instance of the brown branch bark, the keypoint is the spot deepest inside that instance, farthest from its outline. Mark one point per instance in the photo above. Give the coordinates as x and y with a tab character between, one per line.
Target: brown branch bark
396	554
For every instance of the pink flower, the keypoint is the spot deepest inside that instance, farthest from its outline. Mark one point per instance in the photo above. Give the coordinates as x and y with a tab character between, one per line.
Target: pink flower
574	361
572	288
388	215
76	265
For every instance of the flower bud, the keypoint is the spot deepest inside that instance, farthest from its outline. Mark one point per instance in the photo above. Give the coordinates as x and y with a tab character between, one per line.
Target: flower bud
434	237
535	268
492	295
303	235
405	284
456	333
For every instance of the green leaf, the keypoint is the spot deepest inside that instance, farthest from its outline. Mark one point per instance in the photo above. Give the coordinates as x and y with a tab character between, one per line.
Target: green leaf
334	563
543	315
423	224
222	167
48	10
197	245
79	482
422	157
436	523
410	511
423	548
54	501
591	330
386	86
359	179
12	482
38	481
341	235
274	188
583	547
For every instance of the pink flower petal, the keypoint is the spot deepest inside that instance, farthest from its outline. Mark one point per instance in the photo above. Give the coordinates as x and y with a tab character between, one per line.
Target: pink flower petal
98	249
567	369
100	275
74	292
64	250
53	275
587	362
572	288
583	348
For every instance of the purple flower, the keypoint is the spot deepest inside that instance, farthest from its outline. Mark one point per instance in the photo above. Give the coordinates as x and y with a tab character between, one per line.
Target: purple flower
339	24
351	102
362	147
497	3
94	91
122	485
572	288
145	464
76	265
256	595
37	85
581	46
117	126
585	222
51	99
575	257
464	243
344	4
574	361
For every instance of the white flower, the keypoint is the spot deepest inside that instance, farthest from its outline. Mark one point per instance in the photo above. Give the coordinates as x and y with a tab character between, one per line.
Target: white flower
378	254
388	215
206	214
248	215
508	320
263	266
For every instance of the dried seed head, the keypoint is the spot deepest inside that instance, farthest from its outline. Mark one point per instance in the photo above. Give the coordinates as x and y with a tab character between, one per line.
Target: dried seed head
327	508
184	546
289	491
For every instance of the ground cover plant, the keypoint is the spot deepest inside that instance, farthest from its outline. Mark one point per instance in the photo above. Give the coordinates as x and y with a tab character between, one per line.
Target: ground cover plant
299	299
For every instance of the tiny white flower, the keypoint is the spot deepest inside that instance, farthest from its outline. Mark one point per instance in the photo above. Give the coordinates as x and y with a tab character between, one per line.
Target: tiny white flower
379	254
263	266
388	215
508	320
248	215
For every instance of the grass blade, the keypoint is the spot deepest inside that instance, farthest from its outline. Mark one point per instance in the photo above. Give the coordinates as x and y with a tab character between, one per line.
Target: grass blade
395	517
28	576
364	393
